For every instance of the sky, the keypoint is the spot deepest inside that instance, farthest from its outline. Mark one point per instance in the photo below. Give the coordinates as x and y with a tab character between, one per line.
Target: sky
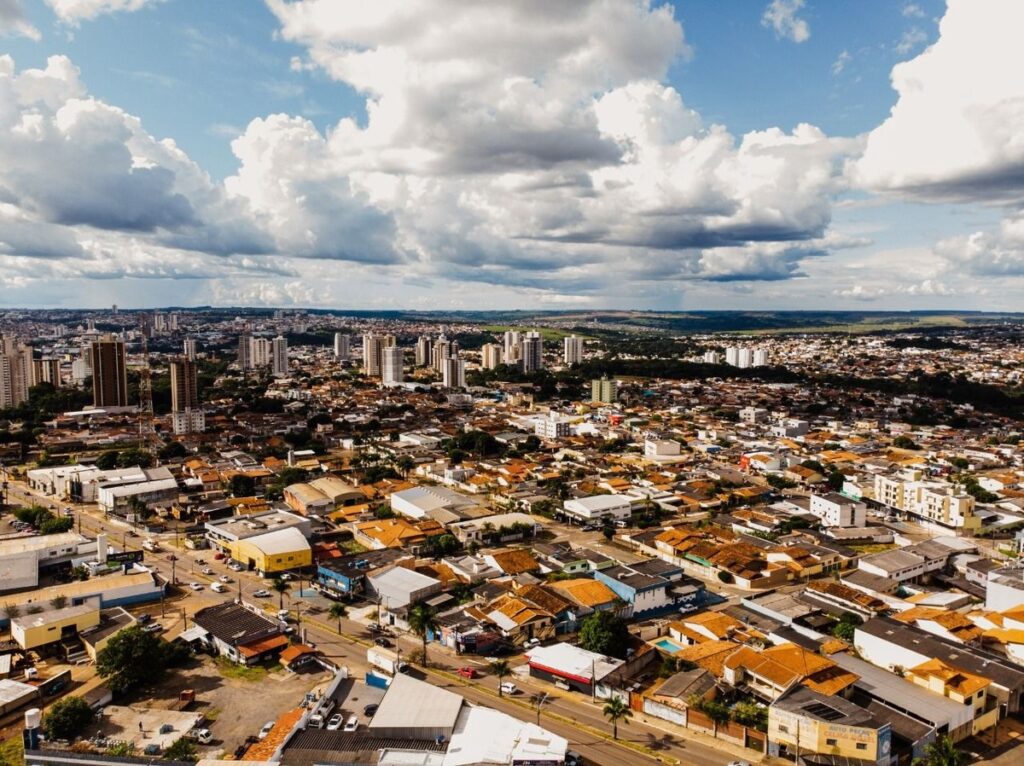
447	154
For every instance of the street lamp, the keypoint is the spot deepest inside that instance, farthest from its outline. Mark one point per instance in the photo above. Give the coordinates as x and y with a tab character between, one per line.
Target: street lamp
540	703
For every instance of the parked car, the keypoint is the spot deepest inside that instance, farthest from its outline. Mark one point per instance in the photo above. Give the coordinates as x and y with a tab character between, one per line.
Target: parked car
234	566
373	627
287	576
218	555
202	736
152	749
201	562
225	578
282	614
370	710
572	758
739	763
335	723
207	571
532	643
507	687
195	586
352	723
153	627
266	729
144	618
383	642
261	593
218	587
467	672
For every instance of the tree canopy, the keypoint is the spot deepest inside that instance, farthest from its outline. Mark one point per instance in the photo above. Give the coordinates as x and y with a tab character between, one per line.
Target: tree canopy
605	633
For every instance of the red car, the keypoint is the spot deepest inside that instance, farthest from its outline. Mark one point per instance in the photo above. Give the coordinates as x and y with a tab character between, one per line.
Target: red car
467	672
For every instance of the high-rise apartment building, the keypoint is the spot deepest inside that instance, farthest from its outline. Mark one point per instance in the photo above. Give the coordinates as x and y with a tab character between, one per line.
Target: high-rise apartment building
342	347
392	366
16	372
532	352
279	356
245	351
190	348
373	352
423	349
442	350
453	373
712	357
186	415
109	373
260	352
604	391
490	356
512	341
744	358
47	371
732	355
573	350
761	357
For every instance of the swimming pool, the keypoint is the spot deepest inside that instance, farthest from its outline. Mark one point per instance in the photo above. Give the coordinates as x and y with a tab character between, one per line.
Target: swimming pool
668	645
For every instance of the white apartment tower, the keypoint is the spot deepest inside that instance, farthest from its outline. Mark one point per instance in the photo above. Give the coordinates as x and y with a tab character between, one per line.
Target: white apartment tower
573	350
423	349
260	353
190	347
453	373
532	353
342	347
761	357
490	356
512	339
392	364
245	351
373	352
280	356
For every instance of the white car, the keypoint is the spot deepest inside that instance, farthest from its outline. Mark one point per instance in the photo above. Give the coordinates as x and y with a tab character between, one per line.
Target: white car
224	578
261	593
266	729
507	687
218	588
207	571
195	586
335	723
352	723
202	736
234	566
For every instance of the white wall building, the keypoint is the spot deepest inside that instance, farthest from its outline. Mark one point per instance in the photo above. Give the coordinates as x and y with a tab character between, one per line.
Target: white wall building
342	347
598	507
553	426
834	510
572	350
392	369
279	353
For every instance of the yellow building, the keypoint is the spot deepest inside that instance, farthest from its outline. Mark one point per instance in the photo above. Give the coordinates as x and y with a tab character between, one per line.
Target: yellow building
32	631
959	686
272	552
805	721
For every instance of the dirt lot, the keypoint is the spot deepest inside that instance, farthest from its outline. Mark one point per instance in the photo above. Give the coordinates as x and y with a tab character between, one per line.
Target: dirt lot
236	705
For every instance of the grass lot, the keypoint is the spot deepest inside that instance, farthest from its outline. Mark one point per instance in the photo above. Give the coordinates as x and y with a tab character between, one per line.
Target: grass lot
253	674
351	546
547	333
868	548
868	325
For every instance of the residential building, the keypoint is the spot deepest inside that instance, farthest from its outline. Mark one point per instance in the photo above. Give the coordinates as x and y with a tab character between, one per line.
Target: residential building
513	346
279	354
532	354
553	426
930	501
835	510
490	356
423	349
189	348
572	350
47	370
604	391
373	353
392	366
342	347
245	352
186	415
109	373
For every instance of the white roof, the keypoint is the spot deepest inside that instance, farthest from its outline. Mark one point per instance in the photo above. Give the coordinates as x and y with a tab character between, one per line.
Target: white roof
398	584
431	498
286	540
39	543
597	502
573	660
413	704
483	735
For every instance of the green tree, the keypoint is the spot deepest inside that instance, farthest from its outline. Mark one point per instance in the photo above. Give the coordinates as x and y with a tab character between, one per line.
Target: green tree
847	626
616	710
750	714
941	752
181	750
242	485
605	633
173	451
11	611
133	658
500	669
107	460
423	622
338	612
280	586
67	718
122	749
59	602
55	525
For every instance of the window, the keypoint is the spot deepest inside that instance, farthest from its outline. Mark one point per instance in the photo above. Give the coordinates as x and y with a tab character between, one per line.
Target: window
862	745
830	742
783	728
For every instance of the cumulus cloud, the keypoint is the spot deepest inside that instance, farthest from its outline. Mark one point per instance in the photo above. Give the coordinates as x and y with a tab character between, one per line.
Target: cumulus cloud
781	16
954	133
74	11
998	254
13	21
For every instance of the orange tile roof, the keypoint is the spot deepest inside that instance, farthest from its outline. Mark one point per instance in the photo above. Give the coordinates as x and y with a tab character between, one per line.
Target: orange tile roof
265	748
257	648
585	591
954	679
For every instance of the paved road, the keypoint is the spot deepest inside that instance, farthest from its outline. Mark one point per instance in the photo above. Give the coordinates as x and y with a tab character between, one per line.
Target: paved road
567	714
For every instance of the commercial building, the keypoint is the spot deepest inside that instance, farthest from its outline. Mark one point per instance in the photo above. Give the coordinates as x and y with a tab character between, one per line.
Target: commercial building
35	631
265	543
804	722
109	373
572	352
239	632
532	352
598	507
156	487
571	665
23	559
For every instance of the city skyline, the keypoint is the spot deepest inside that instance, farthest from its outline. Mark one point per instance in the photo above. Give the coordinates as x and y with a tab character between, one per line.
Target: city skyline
779	154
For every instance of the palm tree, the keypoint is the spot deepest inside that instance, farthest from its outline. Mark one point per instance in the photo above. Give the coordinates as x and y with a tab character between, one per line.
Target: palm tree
422	622
12	611
338	612
616	710
500	669
280	586
941	752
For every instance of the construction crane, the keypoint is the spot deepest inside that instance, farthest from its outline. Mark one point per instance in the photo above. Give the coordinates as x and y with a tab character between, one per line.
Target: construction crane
147	430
